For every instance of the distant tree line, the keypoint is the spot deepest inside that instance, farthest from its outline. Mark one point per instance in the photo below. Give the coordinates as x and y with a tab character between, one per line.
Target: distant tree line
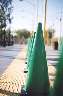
22	35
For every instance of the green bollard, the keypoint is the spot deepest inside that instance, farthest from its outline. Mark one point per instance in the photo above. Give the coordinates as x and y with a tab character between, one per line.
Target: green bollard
30	47
30	43
37	82
58	83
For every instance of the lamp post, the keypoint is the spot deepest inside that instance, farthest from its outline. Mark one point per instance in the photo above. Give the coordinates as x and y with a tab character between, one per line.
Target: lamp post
45	33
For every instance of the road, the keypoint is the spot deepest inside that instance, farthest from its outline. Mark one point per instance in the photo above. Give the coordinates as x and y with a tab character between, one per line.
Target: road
12	65
7	55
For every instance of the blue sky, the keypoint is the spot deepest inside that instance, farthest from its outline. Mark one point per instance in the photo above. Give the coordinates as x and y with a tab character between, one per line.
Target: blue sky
25	14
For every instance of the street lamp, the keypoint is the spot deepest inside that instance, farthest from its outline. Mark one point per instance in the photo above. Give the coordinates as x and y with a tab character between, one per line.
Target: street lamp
45	33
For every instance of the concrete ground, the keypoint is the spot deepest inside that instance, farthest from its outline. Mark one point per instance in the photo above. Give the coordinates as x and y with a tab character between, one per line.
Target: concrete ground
12	66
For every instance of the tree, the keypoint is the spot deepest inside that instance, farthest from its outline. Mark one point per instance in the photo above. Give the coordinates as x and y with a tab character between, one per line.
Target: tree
22	36
51	32
5	16
5	12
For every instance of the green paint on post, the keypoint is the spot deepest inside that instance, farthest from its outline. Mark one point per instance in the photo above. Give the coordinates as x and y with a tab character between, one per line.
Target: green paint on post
58	83
38	81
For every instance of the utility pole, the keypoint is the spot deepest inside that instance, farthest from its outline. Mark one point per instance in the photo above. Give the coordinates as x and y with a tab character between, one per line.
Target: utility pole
45	33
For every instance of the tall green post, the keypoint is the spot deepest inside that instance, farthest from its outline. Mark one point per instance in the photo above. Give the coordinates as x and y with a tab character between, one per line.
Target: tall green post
58	83
30	47
37	82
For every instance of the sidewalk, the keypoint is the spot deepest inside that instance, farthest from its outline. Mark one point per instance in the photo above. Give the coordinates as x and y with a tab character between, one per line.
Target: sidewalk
13	78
